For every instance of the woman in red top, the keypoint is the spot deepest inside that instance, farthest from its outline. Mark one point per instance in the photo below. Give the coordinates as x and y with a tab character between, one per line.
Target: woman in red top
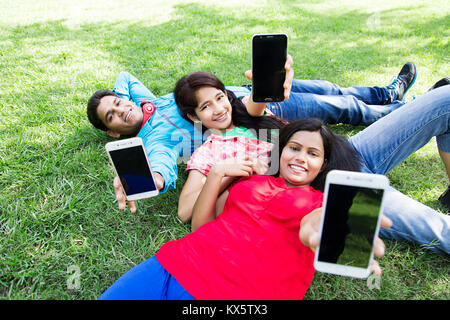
252	249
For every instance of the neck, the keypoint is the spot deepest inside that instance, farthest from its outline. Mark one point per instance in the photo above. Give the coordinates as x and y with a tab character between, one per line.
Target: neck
290	185
230	127
221	131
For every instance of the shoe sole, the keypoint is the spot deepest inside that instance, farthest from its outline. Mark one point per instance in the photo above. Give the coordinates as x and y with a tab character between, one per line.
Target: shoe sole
409	87
446	80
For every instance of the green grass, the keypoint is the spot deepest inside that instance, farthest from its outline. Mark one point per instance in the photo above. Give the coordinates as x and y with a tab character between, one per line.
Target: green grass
57	206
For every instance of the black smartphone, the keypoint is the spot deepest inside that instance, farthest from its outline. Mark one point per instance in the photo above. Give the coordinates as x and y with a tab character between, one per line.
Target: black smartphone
269	52
350	222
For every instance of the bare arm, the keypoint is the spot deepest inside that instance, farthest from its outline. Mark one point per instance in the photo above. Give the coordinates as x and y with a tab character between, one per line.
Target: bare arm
204	209
220	204
191	190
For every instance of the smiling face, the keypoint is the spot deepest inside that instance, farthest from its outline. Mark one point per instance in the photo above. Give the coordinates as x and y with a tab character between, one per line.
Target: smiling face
302	158
120	116
213	109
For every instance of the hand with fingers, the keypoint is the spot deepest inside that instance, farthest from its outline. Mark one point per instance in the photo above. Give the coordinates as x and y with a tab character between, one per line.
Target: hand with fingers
260	166
122	198
287	85
310	230
233	168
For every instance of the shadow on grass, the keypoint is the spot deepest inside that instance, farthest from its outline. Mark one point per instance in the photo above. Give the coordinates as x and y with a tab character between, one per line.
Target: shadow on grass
323	45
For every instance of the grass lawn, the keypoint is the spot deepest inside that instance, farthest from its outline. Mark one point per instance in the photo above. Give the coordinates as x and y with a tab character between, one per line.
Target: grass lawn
57	205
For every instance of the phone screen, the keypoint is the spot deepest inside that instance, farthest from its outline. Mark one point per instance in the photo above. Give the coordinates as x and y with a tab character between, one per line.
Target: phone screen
349	226
269	58
132	168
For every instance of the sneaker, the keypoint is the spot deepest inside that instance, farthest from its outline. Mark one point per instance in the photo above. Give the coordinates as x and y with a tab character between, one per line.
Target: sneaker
445	198
404	81
443	82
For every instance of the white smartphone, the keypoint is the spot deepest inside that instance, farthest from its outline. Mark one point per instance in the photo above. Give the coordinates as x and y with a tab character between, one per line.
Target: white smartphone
269	53
350	222
131	164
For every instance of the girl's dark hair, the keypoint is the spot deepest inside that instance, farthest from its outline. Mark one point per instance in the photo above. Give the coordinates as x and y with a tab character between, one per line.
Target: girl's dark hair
185	97
339	154
92	106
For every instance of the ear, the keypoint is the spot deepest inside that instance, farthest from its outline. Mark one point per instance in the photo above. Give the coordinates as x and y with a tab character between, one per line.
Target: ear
113	134
193	118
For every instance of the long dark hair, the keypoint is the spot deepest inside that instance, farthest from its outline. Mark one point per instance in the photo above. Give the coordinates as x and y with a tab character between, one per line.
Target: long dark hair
185	97
339	154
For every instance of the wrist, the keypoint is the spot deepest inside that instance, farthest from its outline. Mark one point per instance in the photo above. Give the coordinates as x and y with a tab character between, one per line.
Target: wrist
216	172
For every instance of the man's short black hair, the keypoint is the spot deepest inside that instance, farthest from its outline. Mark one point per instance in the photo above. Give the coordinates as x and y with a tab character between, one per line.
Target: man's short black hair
93	103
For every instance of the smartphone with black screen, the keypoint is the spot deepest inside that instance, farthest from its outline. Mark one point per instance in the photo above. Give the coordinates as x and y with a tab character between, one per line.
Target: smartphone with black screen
350	222
131	164
269	53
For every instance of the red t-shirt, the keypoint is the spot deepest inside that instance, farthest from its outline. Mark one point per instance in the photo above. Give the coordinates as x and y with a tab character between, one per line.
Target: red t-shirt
252	250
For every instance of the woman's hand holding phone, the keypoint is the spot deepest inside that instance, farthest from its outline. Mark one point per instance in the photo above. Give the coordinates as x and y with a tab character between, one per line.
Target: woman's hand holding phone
310	235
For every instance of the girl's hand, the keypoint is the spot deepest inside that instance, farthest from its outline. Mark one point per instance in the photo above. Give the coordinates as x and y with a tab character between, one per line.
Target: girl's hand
260	166
232	168
289	77
287	80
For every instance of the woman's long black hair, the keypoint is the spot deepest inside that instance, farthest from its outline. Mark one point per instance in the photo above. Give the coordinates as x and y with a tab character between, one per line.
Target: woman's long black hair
185	97
339	154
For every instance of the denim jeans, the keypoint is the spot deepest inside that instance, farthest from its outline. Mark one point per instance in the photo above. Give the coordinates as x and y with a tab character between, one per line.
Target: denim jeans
393	135
333	104
309	98
390	140
146	281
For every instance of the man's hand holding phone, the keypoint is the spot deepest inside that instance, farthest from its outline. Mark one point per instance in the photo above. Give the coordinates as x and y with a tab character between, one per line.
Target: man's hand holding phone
122	198
135	178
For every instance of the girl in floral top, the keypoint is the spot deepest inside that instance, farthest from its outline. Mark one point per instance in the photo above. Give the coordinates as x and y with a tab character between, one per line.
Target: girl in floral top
238	129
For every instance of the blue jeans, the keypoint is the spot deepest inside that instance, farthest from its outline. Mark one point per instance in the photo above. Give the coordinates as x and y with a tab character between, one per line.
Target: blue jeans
147	281
393	135
309	98
333	104
390	140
